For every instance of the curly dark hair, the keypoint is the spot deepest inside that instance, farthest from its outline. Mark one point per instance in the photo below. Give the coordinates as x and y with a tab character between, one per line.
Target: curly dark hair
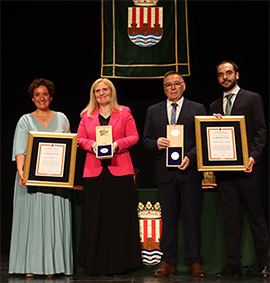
41	81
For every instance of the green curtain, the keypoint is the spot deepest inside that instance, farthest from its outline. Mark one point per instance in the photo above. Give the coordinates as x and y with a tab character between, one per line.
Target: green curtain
121	58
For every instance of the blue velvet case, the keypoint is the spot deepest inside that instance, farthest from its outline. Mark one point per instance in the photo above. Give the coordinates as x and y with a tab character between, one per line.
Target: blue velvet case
174	156
104	151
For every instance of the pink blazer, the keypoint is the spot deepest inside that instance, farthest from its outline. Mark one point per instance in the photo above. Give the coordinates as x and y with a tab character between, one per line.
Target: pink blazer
124	133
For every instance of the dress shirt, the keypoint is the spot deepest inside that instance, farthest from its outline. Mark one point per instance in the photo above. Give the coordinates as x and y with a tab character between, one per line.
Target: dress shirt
235	91
178	109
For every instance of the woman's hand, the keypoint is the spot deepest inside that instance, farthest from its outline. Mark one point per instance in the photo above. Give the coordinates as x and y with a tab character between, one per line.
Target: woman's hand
94	147
21	178
20	166
115	147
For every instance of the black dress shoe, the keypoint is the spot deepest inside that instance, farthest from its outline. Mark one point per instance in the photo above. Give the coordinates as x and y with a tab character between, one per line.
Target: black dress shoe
265	271
231	271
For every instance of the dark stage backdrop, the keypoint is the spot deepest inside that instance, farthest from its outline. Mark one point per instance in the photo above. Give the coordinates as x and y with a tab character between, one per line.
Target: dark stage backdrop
61	41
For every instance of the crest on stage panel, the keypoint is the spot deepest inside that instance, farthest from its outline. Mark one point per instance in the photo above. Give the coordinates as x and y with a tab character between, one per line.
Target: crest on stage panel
150	224
145	23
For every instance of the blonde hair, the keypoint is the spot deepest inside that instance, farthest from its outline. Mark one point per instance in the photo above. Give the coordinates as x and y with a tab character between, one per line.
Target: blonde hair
93	102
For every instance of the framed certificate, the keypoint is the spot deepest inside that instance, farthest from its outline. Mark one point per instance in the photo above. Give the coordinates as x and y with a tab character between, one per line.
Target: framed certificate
50	159
221	143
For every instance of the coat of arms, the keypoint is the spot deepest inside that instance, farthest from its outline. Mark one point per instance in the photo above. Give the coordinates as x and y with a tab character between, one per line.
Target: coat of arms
150	232
145	23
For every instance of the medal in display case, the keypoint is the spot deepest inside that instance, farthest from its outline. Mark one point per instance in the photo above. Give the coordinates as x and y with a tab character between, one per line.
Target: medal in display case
104	142
174	153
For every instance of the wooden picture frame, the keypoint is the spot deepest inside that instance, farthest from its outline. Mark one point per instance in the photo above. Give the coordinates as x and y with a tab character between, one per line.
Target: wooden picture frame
50	159
221	143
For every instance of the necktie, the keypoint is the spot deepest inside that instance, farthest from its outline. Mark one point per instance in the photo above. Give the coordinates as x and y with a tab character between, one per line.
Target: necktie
173	115
229	104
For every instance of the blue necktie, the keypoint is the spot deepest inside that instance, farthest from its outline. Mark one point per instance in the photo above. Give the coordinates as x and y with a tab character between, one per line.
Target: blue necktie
173	115
229	104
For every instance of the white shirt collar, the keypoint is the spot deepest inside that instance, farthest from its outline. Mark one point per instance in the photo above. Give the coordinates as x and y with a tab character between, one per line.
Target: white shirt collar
235	91
179	102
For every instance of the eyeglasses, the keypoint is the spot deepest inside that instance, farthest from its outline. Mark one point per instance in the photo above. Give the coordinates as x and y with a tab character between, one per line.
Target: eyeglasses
227	73
176	84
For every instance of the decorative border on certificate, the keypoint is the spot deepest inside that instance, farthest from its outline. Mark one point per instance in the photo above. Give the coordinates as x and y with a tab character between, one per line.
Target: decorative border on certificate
221	143
50	159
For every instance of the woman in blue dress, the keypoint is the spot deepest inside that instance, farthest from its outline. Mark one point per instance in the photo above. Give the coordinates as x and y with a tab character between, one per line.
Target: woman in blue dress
41	239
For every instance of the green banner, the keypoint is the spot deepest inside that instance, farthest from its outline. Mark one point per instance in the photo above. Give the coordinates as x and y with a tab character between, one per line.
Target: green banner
144	38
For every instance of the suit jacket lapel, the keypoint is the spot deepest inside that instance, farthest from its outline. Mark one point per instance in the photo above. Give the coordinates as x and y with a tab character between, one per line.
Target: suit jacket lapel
163	112
237	101
95	115
220	106
114	118
185	108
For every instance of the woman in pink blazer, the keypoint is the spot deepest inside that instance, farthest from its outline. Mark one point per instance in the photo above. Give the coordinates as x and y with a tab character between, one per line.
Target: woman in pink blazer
109	235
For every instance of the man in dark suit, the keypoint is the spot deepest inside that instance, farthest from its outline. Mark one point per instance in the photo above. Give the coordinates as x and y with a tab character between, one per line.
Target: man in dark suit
237	188
179	187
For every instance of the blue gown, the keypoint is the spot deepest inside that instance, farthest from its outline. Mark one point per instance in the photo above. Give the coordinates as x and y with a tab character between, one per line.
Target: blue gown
41	238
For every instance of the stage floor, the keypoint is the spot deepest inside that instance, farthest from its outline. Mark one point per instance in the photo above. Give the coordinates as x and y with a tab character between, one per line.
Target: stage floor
5	277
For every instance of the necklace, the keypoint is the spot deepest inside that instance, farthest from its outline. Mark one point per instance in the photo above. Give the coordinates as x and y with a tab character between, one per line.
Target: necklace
43	117
105	115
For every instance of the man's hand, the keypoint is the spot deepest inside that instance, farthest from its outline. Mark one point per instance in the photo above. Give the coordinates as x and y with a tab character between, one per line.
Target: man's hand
184	164
162	143
217	115
249	168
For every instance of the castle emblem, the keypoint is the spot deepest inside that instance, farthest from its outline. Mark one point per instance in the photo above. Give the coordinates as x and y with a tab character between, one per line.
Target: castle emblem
145	23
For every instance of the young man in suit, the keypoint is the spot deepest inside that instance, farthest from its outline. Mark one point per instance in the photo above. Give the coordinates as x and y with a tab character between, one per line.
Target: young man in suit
237	188
179	187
